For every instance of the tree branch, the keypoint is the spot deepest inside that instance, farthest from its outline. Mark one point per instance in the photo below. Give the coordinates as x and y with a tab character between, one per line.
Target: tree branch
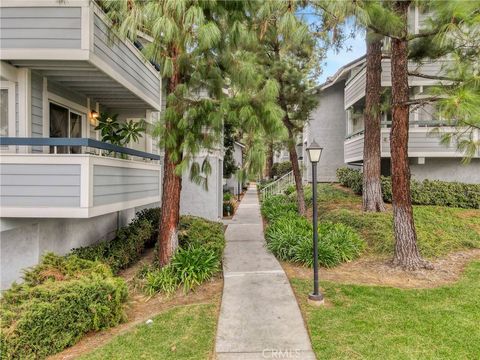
423	34
432	77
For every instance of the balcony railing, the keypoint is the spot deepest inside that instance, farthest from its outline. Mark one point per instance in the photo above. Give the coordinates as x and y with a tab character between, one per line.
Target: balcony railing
67	144
82	178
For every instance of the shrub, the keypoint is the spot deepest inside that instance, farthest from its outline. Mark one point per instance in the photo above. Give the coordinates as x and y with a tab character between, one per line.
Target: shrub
194	265
289	190
277	206
198	258
60	300
129	243
426	192
290	239
280	169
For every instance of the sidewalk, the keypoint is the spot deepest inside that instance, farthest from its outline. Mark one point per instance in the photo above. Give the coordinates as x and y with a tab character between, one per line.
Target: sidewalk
259	316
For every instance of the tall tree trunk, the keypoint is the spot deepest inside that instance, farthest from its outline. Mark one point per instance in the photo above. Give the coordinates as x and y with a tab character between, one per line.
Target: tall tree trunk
406	254
170	214
269	165
171	190
292	150
372	190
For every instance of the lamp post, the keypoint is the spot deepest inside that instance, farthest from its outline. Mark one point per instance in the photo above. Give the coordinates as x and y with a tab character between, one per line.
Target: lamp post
314	152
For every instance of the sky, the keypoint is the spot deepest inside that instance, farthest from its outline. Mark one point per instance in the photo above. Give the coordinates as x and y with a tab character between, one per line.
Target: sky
352	49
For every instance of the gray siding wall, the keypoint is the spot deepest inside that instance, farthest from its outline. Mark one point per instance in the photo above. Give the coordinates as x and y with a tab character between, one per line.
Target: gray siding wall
327	127
40	27
447	169
112	184
25	185
195	200
355	89
419	142
37	105
354	148
124	61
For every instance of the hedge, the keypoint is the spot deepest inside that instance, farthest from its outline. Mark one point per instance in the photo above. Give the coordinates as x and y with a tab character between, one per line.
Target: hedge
426	192
128	245
60	300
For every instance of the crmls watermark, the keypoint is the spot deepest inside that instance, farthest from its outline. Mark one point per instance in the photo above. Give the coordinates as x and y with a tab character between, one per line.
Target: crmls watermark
281	354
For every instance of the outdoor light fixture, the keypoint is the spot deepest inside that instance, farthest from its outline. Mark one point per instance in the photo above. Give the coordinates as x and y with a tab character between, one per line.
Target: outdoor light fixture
93	117
314	153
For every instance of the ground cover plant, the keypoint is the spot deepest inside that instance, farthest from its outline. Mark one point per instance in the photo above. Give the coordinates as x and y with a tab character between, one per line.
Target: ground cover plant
184	332
441	230
60	300
426	192
374	322
289	236
128	244
198	258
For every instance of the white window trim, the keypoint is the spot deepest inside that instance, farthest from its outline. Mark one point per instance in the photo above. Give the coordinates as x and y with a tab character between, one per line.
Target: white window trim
10	87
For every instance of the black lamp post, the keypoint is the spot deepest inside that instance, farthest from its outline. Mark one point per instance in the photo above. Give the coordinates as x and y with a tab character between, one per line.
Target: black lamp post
314	153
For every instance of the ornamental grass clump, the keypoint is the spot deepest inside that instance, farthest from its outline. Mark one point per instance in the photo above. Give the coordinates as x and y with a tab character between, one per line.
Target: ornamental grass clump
59	301
197	259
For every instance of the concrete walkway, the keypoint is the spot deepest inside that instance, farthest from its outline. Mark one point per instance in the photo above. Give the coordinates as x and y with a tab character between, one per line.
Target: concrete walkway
259	316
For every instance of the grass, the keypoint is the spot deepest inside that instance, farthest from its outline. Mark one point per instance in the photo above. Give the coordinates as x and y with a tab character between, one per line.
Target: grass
440	230
372	322
185	332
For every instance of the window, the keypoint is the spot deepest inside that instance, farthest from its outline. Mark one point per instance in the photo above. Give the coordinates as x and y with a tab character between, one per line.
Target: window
65	123
7	108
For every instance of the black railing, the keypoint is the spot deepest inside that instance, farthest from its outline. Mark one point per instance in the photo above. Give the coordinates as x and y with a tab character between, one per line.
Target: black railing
54	143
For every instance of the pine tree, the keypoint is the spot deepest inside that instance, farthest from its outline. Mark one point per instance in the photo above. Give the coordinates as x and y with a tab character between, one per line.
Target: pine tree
186	39
289	54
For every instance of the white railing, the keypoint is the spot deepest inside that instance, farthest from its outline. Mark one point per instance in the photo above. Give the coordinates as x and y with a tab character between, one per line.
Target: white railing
278	186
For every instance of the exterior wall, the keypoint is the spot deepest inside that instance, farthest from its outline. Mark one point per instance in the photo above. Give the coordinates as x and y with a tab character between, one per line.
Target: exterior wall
117	53
52	185
42	27
113	184
195	200
37	105
447	169
327	128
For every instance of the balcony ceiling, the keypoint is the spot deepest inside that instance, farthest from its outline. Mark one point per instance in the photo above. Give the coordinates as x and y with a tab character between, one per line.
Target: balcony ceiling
86	79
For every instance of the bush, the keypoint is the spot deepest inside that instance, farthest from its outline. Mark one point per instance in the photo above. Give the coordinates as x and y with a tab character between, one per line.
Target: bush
198	258
426	192
290	190
289	238
129	243
60	300
277	206
280	169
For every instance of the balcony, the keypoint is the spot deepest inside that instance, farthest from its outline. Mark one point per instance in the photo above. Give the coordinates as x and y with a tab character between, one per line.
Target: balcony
99	178
70	42
421	143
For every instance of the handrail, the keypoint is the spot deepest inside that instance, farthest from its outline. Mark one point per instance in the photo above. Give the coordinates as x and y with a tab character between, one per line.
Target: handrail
83	142
278	185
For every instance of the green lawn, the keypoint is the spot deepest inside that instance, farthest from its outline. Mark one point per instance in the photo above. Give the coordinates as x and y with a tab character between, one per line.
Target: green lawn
440	230
371	322
185	332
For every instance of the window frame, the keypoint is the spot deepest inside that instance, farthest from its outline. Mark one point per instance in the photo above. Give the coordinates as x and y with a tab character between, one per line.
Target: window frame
10	87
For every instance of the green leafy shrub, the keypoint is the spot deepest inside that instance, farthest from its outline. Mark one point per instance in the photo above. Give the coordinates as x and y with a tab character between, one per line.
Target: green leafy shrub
337	243
199	257
426	192
195	264
290	239
161	280
280	169
129	243
59	301
289	190
277	206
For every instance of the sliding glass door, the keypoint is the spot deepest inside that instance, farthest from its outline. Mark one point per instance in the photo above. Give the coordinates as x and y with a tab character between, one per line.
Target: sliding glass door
67	124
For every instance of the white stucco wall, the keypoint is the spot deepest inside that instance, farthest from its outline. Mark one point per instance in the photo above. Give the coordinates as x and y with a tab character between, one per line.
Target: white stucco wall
446	169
